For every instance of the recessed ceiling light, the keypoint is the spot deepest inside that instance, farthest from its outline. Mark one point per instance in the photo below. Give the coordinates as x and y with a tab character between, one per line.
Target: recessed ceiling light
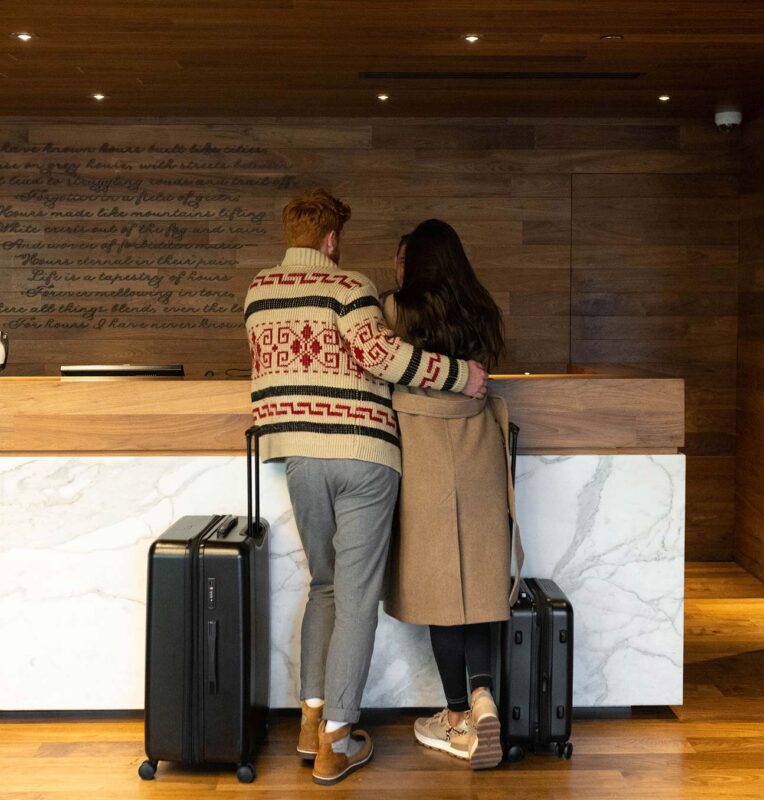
98	96
472	38
664	98
611	37
383	97
25	37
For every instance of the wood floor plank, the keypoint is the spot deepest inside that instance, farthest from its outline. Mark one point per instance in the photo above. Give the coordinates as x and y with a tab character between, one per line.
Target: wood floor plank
710	747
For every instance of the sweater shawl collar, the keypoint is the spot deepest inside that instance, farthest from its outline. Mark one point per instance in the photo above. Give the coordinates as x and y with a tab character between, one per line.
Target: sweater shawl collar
307	257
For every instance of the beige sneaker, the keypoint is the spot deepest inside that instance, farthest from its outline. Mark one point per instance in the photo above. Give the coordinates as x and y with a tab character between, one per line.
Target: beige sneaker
485	749
435	732
307	744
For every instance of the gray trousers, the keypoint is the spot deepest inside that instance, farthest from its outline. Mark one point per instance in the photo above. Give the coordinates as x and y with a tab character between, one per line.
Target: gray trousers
343	509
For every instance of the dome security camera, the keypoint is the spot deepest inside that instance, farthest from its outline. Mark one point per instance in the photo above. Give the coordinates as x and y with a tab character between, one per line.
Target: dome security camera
728	119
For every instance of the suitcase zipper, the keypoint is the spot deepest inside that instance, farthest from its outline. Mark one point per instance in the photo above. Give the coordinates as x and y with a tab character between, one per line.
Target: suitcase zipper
534	688
544	706
193	679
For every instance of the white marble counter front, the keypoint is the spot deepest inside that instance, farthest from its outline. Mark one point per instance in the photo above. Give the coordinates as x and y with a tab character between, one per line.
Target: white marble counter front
75	531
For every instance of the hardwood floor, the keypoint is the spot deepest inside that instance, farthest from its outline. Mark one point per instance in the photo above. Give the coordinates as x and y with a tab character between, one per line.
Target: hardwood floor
710	747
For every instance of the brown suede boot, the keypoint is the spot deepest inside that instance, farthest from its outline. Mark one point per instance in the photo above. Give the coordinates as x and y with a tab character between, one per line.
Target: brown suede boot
331	767
307	744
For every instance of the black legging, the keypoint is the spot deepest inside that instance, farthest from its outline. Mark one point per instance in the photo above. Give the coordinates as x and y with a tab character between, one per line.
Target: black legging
460	649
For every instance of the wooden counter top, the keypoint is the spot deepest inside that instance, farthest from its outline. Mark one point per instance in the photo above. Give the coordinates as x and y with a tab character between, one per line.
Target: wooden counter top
594	412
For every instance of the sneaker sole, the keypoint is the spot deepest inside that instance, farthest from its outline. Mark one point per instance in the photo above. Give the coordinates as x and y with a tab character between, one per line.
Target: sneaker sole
486	751
441	747
344	774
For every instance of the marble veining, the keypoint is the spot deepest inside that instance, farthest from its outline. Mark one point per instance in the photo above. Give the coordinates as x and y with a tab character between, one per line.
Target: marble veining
74	534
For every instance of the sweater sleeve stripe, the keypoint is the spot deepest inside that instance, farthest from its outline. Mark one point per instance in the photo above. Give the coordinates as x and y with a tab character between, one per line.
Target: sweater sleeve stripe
362	302
412	368
453	374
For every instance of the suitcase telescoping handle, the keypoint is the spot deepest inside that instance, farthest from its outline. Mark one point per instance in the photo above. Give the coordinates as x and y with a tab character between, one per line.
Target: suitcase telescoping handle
253	433
513	434
517	555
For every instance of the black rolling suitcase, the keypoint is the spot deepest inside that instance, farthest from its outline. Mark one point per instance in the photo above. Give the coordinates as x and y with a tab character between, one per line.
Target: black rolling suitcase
208	639
536	667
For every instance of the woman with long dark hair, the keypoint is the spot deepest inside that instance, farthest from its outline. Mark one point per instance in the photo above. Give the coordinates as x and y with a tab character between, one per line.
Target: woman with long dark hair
450	563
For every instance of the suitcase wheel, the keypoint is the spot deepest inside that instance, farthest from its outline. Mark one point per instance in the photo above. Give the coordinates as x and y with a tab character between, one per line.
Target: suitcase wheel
515	753
245	773
147	770
564	750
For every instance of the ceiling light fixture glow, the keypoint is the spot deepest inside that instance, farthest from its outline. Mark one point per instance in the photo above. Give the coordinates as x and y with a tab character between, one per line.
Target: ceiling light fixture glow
23	36
98	96
664	98
383	97
472	38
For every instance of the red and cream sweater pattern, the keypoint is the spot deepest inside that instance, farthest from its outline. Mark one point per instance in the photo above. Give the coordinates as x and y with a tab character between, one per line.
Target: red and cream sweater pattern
322	361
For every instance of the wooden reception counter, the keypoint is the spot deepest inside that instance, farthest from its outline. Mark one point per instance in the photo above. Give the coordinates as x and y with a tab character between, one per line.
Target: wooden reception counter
92	471
609	410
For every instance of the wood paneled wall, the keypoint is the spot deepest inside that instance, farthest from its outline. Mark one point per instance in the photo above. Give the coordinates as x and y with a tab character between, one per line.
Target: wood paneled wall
749	517
130	241
181	216
654	269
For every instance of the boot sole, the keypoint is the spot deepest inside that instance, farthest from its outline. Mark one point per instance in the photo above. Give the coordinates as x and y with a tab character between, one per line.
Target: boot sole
344	774
441	747
307	755
486	751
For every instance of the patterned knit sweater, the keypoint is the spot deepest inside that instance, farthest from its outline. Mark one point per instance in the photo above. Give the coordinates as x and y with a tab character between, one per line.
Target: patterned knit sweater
322	361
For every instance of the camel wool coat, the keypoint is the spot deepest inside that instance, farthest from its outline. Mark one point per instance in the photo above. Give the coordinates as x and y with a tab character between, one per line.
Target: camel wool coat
451	555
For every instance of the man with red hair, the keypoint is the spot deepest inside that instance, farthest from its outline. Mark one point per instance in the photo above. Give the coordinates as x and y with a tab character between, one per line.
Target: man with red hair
322	361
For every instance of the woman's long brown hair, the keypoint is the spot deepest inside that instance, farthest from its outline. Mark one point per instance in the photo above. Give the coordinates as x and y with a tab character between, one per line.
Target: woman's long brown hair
442	306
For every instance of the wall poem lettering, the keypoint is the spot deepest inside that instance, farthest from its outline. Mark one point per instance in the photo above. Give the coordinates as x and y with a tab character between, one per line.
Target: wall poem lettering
132	238
602	242
135	242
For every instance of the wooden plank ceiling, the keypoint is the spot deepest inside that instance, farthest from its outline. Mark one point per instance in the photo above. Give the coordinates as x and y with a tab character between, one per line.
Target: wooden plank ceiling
302	57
